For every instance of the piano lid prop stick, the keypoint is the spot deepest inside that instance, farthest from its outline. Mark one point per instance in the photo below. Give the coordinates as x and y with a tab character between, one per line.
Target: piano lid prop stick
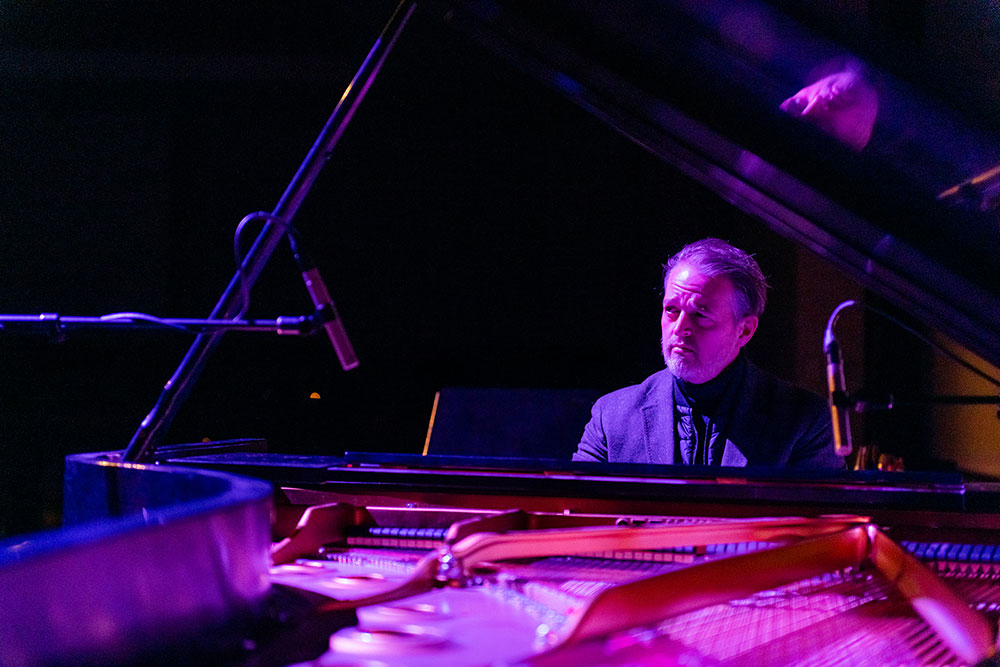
966	632
153	428
649	601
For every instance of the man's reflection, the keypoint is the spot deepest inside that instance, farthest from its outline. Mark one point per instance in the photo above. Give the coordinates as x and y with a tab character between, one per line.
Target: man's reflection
710	406
840	101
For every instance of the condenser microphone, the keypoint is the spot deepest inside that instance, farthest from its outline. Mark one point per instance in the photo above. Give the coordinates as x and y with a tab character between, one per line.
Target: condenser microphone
326	311
837	395
329	318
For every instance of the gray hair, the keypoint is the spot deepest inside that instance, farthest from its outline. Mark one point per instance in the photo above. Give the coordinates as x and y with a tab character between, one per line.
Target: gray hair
715	257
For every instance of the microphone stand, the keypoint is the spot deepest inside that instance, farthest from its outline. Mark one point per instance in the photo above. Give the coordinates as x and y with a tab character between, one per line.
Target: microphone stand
863	401
152	429
58	326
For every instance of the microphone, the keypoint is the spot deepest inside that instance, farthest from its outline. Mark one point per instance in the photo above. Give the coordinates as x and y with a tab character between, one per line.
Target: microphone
837	395
326	311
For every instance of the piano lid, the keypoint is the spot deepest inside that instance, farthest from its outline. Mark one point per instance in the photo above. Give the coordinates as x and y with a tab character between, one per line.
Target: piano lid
710	87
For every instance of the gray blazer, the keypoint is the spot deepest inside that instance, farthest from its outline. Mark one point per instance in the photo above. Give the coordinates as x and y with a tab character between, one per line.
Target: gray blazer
774	424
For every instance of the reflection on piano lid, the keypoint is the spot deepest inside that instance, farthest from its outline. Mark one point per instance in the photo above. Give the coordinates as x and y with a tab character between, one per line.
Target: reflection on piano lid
700	85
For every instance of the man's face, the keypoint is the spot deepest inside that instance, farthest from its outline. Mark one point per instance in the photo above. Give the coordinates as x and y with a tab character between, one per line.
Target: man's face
700	332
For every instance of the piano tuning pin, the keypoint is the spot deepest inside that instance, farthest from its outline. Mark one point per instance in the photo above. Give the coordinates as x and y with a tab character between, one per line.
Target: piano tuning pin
545	636
352	580
403	640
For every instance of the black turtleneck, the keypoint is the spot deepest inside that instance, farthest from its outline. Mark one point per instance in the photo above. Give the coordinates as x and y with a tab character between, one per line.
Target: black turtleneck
705	397
702	413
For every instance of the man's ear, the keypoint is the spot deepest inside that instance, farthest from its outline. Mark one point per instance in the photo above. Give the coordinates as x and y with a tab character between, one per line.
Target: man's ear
746	329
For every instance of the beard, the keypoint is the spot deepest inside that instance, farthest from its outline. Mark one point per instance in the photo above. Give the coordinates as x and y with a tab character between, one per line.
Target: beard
691	368
685	369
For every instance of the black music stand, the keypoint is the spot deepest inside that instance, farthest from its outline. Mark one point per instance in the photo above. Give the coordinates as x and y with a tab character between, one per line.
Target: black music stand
510	423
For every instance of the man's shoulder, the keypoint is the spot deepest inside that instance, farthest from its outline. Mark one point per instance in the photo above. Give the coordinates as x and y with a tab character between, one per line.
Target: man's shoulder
771	383
654	387
783	395
799	417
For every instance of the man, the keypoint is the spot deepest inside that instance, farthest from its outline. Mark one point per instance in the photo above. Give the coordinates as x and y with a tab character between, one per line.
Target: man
710	406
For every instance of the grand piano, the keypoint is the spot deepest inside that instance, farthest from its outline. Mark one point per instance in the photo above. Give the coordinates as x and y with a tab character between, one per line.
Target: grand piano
228	553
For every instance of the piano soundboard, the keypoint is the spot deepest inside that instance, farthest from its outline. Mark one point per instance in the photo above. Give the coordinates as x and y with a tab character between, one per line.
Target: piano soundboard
707	596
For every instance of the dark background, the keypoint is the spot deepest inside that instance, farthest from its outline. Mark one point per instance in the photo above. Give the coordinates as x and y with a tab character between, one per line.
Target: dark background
475	229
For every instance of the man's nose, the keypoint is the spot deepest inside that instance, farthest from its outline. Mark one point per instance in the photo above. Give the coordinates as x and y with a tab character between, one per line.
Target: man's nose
683	323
